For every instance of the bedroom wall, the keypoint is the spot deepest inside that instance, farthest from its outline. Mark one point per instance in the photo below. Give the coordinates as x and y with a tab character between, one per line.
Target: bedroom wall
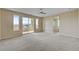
78	23
40	25
69	23
0	23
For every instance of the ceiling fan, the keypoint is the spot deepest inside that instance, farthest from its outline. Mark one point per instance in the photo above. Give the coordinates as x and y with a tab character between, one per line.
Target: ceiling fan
42	11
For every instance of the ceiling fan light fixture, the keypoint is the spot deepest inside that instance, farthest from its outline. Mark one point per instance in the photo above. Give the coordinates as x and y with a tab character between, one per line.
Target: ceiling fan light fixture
41	11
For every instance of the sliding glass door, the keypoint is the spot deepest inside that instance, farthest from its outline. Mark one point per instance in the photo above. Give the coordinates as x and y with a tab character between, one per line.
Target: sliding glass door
27	25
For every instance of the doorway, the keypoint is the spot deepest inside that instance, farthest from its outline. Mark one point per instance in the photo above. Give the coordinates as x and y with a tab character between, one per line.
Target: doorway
52	25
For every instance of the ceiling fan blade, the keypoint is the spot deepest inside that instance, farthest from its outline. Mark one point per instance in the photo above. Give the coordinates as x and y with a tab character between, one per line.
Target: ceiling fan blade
42	13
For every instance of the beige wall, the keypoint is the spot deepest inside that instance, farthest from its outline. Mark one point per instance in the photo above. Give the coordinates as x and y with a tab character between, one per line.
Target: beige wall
69	23
78	23
0	24
40	25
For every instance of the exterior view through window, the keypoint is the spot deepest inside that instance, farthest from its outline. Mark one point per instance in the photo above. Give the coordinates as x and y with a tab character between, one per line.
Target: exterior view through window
27	25
15	23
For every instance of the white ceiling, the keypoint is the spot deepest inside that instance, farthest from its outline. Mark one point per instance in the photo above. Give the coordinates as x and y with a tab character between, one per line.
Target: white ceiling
36	11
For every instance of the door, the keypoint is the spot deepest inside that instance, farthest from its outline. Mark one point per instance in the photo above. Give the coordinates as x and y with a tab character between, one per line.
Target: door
27	25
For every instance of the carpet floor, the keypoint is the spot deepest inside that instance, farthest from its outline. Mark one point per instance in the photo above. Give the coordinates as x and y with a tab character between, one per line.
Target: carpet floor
40	42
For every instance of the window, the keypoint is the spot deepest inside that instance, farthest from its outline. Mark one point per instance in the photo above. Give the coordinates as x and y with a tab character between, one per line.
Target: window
37	23
25	21
16	23
25	24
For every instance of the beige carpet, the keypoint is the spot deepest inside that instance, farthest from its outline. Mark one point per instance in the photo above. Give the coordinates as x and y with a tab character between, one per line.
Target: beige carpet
40	42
